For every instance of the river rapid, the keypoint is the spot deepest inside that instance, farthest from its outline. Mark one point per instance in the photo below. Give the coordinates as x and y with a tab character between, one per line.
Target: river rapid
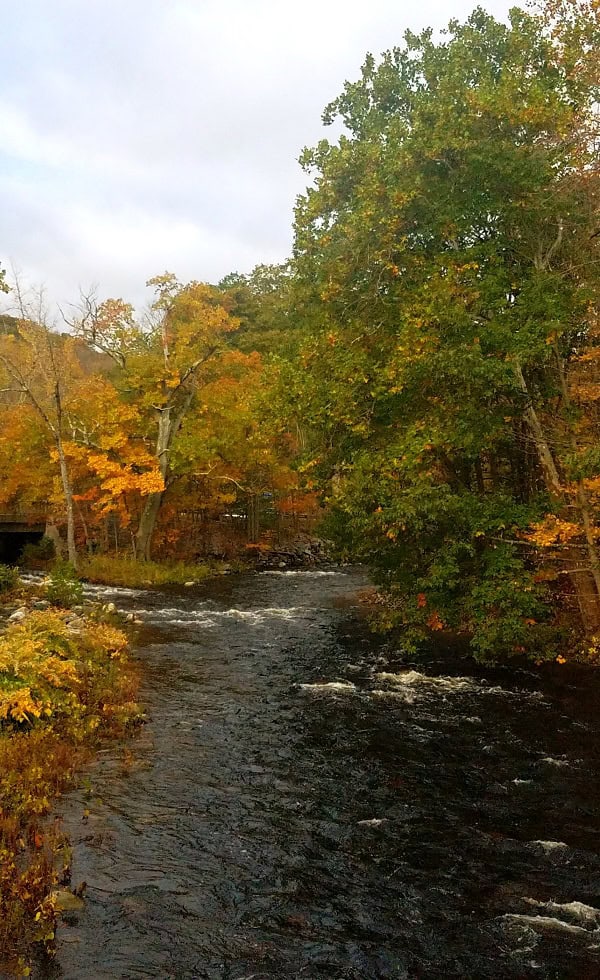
306	802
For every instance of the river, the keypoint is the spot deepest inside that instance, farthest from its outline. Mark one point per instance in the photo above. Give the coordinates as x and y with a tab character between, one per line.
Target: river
305	802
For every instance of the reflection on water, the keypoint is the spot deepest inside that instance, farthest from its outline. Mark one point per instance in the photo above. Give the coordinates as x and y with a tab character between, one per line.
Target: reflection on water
304	803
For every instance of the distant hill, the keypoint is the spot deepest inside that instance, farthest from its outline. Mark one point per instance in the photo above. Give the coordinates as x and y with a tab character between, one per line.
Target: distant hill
92	362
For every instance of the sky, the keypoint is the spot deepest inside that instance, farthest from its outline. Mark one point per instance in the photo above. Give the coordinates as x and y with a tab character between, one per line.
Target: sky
138	136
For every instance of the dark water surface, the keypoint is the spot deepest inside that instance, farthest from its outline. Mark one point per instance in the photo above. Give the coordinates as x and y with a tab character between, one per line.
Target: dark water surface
303	803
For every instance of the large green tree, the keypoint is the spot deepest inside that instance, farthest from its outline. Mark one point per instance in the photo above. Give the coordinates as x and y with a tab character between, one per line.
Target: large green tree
447	262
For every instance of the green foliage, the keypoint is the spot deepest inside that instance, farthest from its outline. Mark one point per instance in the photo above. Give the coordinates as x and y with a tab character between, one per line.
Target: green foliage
64	589
264	304
9	578
435	258
38	552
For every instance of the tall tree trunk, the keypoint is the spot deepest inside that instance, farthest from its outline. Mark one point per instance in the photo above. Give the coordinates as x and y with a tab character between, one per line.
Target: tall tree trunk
68	492
253	518
147	526
145	532
585	580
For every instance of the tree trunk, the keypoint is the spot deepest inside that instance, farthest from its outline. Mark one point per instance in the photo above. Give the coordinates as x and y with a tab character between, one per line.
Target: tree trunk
253	518
147	526
151	510
68	492
52	532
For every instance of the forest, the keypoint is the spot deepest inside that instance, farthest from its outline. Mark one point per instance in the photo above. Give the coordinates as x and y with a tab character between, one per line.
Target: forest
419	382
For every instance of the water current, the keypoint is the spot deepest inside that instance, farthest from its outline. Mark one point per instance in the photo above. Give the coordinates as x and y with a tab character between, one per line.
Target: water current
307	802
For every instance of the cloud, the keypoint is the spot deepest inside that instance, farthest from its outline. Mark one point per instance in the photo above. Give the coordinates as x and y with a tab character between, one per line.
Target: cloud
141	135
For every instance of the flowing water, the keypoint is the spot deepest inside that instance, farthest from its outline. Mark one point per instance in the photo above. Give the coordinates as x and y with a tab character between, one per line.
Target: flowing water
304	802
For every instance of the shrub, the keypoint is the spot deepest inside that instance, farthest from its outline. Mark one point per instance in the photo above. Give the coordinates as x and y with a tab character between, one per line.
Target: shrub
48	671
38	552
61	689
9	578
64	588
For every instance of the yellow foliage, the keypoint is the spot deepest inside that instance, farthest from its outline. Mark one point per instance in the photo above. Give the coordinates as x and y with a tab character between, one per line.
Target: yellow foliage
58	689
553	531
593	484
19	706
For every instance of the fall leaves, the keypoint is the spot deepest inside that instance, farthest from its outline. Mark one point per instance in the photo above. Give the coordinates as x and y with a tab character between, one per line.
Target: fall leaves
132	414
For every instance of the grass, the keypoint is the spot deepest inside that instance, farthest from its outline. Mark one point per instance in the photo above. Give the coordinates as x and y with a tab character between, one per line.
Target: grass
109	570
61	691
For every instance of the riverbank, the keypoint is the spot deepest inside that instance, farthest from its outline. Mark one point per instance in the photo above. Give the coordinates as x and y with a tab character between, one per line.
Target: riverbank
66	683
129	573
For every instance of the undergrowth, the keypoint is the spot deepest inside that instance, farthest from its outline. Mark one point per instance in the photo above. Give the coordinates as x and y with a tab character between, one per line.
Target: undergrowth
64	588
61	690
110	570
9	579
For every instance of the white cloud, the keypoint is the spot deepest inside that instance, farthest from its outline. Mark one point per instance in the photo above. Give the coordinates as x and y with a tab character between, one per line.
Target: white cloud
138	135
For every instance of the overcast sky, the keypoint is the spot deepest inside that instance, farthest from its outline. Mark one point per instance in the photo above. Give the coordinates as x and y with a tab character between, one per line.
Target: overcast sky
144	135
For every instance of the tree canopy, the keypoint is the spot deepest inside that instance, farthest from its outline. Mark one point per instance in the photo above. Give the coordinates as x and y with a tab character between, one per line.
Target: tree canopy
427	362
447	260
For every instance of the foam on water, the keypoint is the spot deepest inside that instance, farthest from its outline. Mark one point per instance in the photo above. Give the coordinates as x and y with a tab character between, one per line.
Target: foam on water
447	685
92	589
576	911
331	687
546	922
306	573
259	615
205	615
32	578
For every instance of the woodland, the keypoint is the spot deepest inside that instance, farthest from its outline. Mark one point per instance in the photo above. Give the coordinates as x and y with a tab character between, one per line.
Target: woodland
420	381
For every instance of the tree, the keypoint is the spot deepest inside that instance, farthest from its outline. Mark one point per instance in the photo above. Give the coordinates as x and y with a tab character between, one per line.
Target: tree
162	363
263	303
40	366
446	259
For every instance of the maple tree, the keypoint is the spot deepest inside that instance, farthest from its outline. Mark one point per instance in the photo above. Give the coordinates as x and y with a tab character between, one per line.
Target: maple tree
163	361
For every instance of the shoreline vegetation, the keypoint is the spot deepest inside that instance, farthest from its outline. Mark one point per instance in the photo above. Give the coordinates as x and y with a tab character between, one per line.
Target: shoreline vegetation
67	683
127	572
